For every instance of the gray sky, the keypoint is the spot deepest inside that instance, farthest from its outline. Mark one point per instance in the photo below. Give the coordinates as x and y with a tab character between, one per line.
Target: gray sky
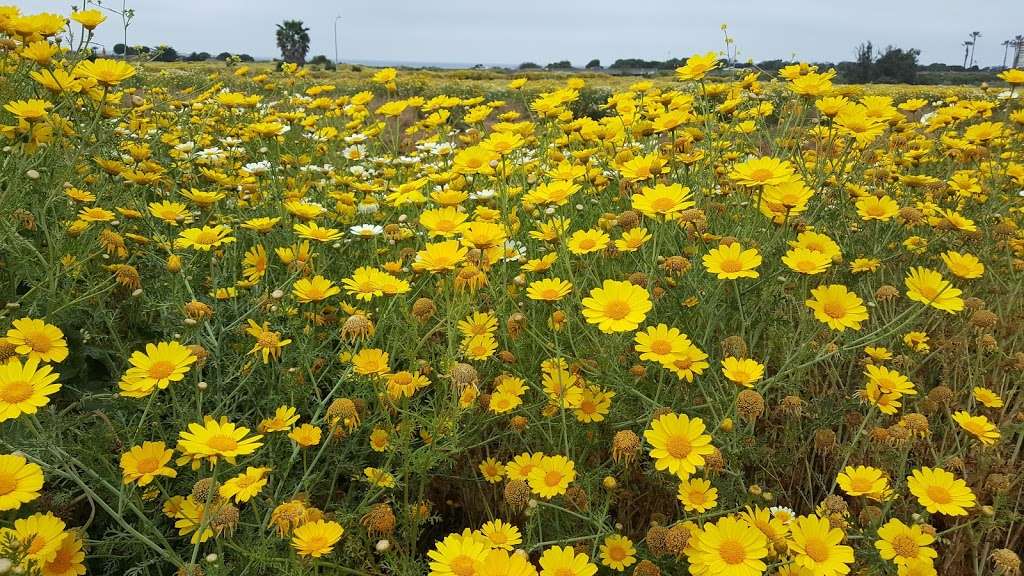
542	31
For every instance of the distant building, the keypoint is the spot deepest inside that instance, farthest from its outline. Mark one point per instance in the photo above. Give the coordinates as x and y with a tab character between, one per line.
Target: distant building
1018	55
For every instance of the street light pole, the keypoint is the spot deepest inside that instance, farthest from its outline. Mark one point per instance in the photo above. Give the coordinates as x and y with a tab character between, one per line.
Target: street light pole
336	18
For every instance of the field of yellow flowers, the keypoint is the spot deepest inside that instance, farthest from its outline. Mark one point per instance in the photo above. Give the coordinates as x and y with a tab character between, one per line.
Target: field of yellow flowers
262	322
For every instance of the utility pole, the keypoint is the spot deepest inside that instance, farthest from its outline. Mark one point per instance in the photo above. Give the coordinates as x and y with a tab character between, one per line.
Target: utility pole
336	18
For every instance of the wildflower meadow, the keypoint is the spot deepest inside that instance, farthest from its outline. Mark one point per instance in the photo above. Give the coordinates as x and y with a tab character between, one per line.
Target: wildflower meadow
265	320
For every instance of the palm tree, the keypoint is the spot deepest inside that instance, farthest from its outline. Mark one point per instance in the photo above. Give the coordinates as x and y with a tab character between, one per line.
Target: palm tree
974	43
967	50
1006	48
293	40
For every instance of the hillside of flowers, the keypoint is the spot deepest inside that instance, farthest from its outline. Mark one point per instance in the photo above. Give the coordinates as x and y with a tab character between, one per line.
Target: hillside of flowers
259	321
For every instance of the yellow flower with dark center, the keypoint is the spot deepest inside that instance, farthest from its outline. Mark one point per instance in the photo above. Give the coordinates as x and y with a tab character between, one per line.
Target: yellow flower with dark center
818	242
813	84
172	213
144	463
564	561
262	224
255	263
940	492
548	289
552	476
617	552
69	560
475	160
817	547
806	261
458	555
678	443
405	384
105	72
902	544
95	214
837	307
643	168
316	539
1013	76
732	261
661	343
963	265
89	19
762	171
877	208
268	342
557	193
662	201
697	495
283	419
216	439
205	238
988	398
729	546
492	470
616	306
24	388
482	234
440	257
155	368
40	537
443	222
928	287
501	534
889	381
37	339
697	66
306	435
587	241
979	426
315	289
40	52
742	371
32	110
312	231
863	481
379	478
20	481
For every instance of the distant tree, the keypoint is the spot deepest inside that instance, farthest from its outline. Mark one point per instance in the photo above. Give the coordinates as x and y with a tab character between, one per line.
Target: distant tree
560	65
896	65
860	71
967	50
320	60
595	63
223	56
529	66
293	40
166	54
772	65
119	49
246	58
197	57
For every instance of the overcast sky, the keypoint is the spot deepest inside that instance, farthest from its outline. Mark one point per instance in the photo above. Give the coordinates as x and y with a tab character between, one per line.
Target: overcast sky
542	31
